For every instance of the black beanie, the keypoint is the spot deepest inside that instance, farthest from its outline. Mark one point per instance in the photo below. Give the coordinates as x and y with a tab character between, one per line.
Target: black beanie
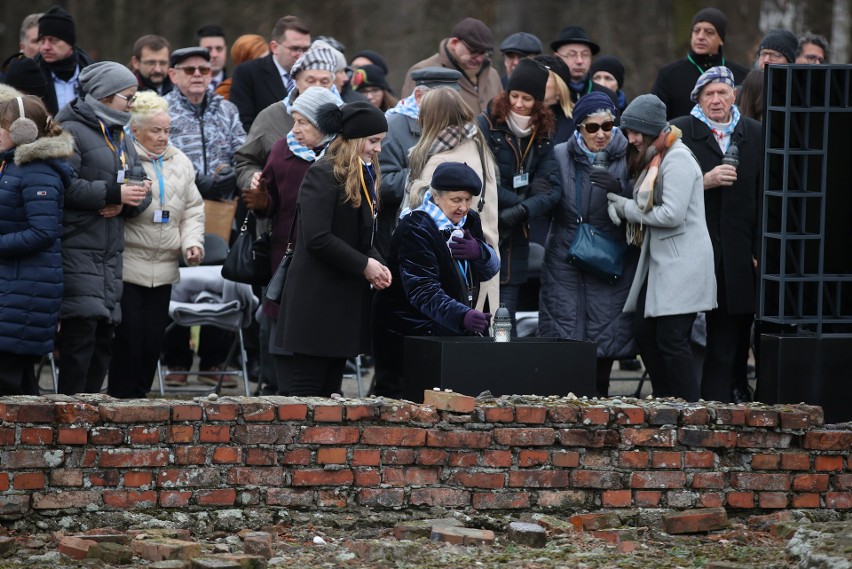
24	75
354	120
782	41
529	76
58	23
611	65
715	17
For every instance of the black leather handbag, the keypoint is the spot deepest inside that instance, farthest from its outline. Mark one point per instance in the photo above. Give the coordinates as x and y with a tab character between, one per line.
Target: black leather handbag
248	261
275	289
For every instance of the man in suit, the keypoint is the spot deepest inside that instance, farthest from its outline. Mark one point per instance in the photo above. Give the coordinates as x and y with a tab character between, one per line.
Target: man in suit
258	83
731	194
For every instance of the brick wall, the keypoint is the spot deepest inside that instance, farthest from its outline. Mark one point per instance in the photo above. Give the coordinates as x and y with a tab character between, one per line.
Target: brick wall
66	455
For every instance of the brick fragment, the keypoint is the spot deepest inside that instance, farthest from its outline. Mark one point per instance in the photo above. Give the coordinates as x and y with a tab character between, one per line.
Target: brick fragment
111	553
258	543
696	520
592	522
448	401
462	536
159	549
75	547
530	415
528	534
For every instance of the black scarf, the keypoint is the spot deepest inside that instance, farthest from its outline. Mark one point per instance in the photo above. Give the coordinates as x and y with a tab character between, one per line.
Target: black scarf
707	60
64	68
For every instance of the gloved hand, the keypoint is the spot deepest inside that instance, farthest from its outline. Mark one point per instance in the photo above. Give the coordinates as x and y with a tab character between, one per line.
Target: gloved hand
466	247
476	321
615	209
511	216
225	182
604	180
205	186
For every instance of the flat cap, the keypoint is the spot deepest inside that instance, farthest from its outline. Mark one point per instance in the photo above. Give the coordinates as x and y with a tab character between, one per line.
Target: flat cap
434	77
183	53
474	33
522	42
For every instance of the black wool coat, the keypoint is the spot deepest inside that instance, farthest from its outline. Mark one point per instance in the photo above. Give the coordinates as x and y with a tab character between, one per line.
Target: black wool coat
326	301
255	85
731	211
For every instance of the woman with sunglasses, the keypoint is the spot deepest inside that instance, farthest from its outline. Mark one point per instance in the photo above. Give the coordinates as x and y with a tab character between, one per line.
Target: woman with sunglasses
574	304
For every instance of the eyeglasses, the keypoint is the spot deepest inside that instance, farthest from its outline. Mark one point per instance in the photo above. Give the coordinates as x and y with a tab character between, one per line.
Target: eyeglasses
593	127
191	69
811	58
573	54
296	48
476	52
154	63
772	56
127	100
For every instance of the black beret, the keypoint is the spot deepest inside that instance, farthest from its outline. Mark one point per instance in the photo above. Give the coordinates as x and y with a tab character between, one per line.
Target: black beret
361	119
456	177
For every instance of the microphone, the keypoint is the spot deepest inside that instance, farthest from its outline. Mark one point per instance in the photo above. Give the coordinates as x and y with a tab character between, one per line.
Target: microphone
732	156
601	161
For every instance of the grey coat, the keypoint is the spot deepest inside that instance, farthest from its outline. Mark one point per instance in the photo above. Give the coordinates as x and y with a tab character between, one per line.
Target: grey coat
92	244
403	133
573	304
677	255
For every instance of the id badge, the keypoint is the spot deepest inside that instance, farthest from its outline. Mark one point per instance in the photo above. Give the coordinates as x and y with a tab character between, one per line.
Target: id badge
521	180
161	216
119	177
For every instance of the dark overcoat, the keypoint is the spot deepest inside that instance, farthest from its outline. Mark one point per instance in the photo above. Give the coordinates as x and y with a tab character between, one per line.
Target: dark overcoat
255	85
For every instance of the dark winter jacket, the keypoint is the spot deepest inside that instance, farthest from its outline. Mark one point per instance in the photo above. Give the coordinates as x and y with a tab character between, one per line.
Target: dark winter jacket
731	211
92	244
403	134
50	101
676	80
573	304
539	197
31	189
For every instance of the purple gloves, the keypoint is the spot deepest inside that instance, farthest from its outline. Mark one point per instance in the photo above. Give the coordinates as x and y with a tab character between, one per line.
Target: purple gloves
476	321
466	247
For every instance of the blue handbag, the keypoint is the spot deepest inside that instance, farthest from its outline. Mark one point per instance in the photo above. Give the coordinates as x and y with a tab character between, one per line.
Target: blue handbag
592	251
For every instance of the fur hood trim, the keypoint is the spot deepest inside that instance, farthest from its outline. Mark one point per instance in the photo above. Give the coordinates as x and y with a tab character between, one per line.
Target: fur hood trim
45	148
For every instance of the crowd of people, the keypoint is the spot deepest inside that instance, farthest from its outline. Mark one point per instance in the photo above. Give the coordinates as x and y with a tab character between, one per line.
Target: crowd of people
399	215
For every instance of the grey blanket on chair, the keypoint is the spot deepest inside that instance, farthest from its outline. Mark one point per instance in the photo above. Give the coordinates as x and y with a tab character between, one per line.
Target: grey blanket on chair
203	296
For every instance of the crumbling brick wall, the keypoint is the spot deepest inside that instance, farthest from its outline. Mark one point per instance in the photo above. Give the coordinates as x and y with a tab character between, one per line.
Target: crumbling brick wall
96	453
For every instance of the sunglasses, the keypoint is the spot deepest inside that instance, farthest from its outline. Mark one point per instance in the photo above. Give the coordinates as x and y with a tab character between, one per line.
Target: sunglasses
191	69
593	127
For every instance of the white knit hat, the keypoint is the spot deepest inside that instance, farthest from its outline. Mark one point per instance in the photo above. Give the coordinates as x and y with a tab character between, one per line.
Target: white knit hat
307	103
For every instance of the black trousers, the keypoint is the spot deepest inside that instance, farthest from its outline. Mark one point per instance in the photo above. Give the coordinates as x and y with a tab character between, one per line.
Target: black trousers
664	345
85	346
727	335
313	375
138	340
213	347
17	374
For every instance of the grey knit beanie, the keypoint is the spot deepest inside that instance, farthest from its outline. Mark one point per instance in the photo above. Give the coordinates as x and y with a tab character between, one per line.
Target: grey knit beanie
105	78
308	103
645	114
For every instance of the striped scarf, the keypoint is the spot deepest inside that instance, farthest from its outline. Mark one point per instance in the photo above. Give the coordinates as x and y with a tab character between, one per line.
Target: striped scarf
303	152
723	135
451	137
441	220
407	107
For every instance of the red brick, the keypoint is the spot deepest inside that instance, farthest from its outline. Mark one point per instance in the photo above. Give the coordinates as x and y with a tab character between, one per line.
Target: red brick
565	459
331	455
697	520
752	481
123	500
361	412
330	435
530	415
322	477
26	459
794	420
104	477
187	412
76	413
257	412
500	458
36	436
597	459
458	439
28	481
299	456
765	461
58	477
227	455
75	547
172	499
806	500
528	458
538	478
265	434
707	438
764	439
667	460
711	500
435	457
381	498
292	412
501	501
135	412
648	437
143	435
810	482
221	411
425	414
525	437
447	497
218	497
4	481
133	458
490	480
289	497
695	416
740	500
595	521
176	434
188	477
499	414
699	459
617	499
647	498
658	479
634	459
365	477
396	412
708	480
411	476
562	499
72	436
106	436
396	456
761	418
448	401
795	461
731	415
588	438
594	415
7	436
629	415
256	476
828	463
137	479
260	456
29	412
843	481
394	436
190	455
567	414
214	434
838	500
596	479
771	500
662	415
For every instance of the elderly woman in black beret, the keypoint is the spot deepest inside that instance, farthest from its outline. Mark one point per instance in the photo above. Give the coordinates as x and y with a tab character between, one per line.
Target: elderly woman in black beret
438	257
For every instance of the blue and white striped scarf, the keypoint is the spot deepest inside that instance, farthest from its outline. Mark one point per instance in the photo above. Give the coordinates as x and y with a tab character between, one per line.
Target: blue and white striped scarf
407	106
441	220
305	153
723	137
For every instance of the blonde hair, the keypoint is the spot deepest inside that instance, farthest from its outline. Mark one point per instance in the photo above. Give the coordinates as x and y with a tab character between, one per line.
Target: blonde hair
146	105
565	102
345	157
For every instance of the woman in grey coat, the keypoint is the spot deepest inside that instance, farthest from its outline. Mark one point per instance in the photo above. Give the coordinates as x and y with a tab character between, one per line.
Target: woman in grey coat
574	304
96	203
675	278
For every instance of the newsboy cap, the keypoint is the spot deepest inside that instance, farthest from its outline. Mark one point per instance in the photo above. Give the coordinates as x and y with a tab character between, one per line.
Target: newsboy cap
474	33
434	77
456	177
523	43
185	53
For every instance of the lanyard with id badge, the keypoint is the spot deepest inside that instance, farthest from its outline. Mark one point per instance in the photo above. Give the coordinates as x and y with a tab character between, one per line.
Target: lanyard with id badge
122	173
522	178
370	194
160	215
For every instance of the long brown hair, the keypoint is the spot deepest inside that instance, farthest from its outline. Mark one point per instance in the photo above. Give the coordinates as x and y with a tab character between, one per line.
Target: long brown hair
541	119
34	110
637	158
345	158
750	96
